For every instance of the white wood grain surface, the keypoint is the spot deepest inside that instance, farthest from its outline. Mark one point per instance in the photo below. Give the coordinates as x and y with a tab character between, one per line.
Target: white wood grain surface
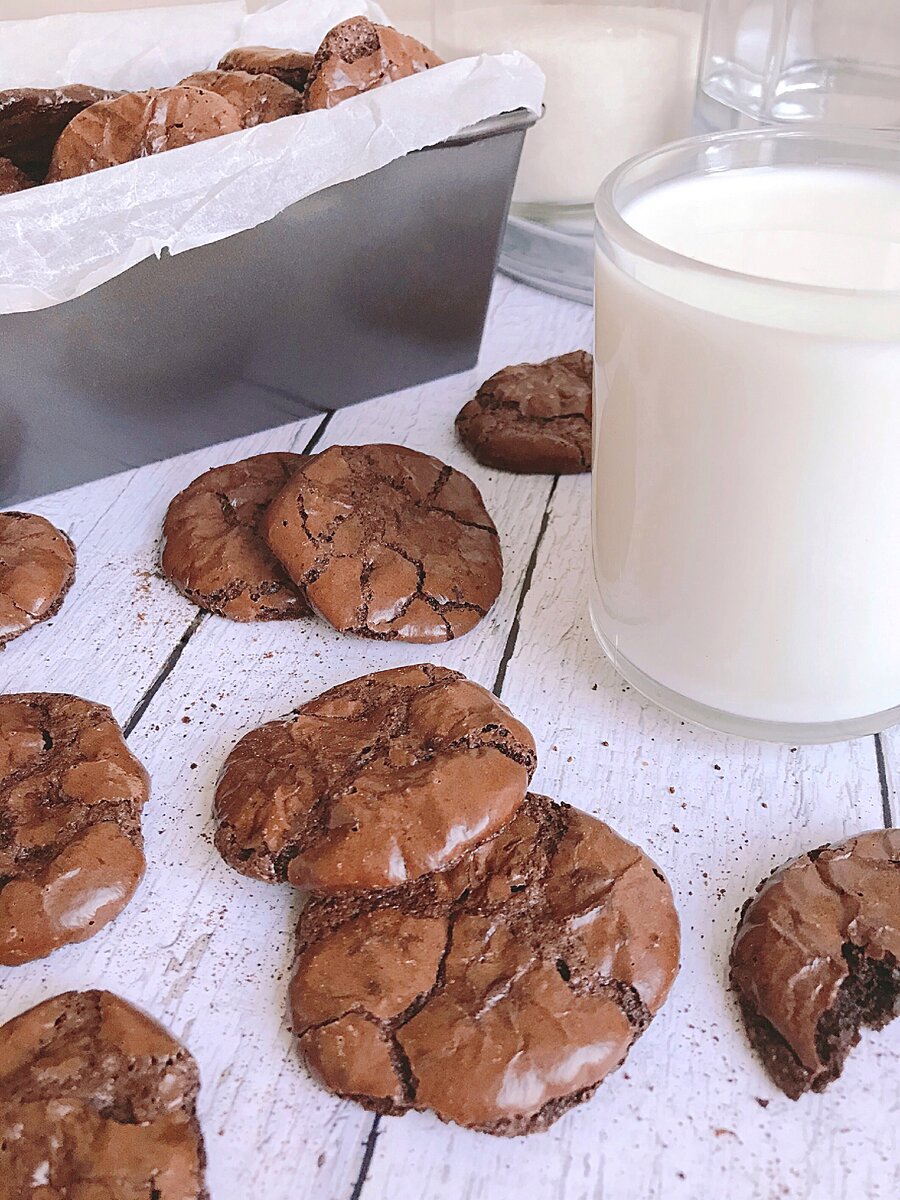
691	1114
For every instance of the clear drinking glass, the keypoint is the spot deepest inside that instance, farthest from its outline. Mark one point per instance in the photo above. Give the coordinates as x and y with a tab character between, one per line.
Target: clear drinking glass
835	62
747	430
621	79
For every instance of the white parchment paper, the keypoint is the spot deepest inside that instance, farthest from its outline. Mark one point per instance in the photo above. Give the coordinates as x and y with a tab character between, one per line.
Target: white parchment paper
63	239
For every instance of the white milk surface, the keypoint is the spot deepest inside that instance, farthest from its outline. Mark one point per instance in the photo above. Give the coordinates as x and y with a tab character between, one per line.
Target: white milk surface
747	489
620	81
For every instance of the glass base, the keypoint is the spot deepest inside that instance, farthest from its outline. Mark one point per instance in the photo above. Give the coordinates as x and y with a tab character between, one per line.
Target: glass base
555	254
798	734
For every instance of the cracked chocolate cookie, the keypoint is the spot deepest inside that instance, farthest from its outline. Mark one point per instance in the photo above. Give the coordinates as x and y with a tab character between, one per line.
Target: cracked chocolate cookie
31	120
534	418
374	783
387	543
212	547
97	1102
258	98
499	993
139	124
12	179
71	851
289	66
37	568
817	957
357	56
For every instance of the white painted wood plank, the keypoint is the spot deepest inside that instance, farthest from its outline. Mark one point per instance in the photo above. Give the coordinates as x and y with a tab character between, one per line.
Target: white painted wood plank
120	621
207	951
683	1118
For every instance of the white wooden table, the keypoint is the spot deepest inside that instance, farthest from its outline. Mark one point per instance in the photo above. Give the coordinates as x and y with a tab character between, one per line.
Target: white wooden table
691	1115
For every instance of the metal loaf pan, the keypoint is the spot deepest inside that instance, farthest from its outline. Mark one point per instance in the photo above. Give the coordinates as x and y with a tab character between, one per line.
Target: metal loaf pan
368	287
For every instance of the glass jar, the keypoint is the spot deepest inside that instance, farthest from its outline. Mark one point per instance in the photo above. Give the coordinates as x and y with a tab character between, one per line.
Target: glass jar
621	80
746	492
827	62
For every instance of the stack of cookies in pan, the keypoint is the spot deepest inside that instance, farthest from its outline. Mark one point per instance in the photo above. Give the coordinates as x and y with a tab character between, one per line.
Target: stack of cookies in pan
466	947
49	134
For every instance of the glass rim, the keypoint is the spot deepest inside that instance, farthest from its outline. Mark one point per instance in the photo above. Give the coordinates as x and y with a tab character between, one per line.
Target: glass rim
609	219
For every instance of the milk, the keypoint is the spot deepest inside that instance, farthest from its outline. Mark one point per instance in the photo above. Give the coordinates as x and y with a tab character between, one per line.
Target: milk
747	487
620	81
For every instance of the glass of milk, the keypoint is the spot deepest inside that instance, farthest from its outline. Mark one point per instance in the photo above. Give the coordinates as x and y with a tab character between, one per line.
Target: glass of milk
621	79
746	512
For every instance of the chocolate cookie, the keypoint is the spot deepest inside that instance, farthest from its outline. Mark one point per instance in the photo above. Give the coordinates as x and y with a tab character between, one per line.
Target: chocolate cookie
357	56
374	783
817	956
258	98
12	179
97	1102
290	66
37	567
387	543
139	124
213	551
499	993
534	418
31	120
71	795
